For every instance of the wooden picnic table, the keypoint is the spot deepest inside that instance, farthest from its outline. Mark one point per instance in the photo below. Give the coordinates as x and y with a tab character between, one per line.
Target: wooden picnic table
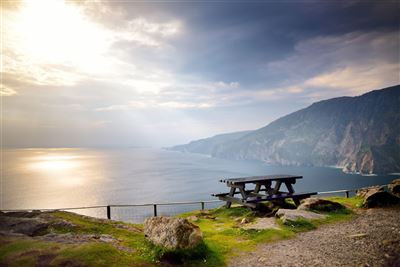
269	184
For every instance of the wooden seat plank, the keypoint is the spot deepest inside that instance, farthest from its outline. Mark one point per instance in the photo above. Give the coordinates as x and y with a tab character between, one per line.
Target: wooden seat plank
277	197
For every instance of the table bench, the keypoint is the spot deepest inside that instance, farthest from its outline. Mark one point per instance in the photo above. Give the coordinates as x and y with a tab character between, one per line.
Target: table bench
269	184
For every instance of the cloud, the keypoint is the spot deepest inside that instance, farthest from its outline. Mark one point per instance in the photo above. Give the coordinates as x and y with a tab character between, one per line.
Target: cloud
56	43
5	91
350	64
357	79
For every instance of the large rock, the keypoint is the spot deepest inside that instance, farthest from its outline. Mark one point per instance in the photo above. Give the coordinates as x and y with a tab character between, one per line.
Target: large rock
26	226
172	233
319	205
376	196
394	187
288	216
380	199
363	192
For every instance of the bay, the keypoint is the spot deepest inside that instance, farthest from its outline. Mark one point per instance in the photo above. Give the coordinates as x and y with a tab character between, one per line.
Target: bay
77	177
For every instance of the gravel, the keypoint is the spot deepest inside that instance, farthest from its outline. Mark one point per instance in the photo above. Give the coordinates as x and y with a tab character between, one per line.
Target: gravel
372	238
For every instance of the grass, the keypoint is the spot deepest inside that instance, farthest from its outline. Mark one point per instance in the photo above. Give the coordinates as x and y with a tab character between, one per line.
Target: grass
223	239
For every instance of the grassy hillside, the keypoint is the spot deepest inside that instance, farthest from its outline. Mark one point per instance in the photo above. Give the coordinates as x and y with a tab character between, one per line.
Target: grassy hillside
85	241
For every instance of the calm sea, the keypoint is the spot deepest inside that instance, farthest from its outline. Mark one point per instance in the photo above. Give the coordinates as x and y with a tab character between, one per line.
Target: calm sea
59	178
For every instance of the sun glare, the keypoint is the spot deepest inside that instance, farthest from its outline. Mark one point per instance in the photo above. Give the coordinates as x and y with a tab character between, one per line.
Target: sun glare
54	32
55	163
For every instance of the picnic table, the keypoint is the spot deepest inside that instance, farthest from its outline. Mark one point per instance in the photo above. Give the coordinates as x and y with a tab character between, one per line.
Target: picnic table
266	188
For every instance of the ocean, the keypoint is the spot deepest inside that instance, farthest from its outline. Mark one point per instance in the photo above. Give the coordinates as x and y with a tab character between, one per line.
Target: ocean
76	177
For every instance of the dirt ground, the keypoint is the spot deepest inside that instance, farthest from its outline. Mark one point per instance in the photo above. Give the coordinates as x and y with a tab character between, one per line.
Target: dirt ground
371	239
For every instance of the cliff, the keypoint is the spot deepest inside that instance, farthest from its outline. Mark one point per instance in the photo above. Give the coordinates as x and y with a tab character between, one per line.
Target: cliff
359	134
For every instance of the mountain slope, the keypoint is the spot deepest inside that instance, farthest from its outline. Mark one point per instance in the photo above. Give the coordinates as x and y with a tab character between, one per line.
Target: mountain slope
207	145
360	134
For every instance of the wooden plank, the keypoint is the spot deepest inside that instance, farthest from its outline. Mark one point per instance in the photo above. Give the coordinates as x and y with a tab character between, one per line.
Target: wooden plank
254	179
238	201
282	196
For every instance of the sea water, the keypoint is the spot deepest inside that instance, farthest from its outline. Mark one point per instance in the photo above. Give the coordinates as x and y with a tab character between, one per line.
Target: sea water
80	177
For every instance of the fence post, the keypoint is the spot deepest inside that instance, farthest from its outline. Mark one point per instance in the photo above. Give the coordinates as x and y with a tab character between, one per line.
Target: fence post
202	205
347	194
155	210
109	212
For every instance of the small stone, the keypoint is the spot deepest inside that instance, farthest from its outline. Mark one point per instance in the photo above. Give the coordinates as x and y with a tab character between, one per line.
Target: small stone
193	218
262	259
358	235
244	221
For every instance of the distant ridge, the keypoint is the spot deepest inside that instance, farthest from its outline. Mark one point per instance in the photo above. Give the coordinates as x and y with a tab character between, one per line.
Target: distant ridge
207	145
359	134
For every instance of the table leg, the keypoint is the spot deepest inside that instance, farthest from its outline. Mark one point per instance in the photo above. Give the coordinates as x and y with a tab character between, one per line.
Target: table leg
289	187
277	187
231	193
257	188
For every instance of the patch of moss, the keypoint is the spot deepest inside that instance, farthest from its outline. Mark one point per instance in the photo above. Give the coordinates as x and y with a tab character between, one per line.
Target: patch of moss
351	202
95	254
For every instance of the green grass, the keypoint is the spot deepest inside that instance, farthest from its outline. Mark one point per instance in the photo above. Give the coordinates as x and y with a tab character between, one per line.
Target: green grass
223	239
351	202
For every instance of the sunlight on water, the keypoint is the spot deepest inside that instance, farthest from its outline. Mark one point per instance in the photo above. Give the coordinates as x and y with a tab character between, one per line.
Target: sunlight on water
60	168
55	163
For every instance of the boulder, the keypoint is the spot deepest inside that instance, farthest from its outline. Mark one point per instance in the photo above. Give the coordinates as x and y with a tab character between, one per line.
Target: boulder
394	187
363	192
172	233
379	199
287	215
25	225
319	205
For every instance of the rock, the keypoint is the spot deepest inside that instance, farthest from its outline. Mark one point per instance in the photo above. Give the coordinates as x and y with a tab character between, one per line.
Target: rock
369	190
193	218
287	215
262	224
172	233
27	226
394	187
319	205
244	221
379	199
358	235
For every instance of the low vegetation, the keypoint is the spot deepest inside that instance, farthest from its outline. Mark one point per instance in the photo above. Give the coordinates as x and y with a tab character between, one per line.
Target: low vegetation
93	242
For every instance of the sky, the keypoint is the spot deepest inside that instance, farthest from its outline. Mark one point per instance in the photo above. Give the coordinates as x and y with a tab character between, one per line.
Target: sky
160	73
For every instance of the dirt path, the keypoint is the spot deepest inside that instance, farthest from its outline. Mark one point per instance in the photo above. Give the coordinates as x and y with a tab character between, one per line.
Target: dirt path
371	239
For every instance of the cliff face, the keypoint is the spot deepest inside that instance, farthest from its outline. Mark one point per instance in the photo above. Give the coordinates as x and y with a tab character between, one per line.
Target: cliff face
360	134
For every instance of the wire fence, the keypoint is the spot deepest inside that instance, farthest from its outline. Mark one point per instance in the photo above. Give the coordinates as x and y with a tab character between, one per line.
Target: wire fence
136	213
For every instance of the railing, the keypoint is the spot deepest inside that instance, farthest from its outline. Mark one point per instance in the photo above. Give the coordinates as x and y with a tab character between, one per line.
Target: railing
156	206
108	208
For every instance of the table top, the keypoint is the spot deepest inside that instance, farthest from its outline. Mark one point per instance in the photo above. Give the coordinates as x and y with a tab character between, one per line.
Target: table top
254	179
